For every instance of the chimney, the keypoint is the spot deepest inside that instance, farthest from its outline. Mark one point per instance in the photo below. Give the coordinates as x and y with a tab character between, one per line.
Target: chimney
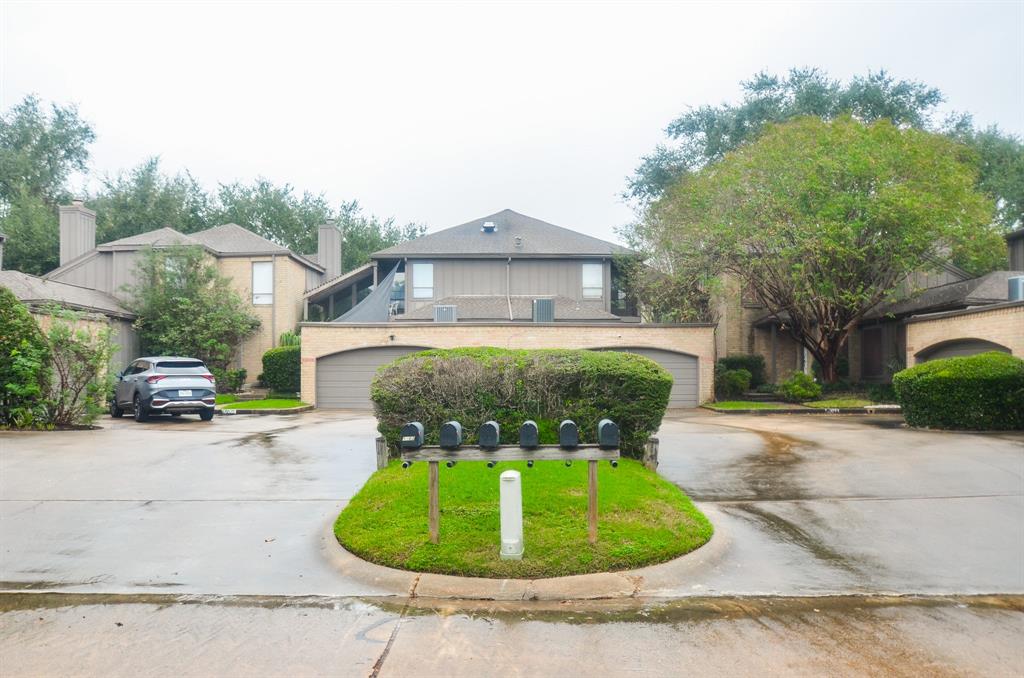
77	231
328	250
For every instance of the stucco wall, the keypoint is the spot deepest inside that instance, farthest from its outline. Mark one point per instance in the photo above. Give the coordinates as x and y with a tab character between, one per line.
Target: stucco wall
322	339
1003	324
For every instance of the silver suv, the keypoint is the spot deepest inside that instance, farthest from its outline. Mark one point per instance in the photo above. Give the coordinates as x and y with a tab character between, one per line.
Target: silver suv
165	384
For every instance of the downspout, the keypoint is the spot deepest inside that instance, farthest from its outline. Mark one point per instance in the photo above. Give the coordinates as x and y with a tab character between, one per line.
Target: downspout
508	287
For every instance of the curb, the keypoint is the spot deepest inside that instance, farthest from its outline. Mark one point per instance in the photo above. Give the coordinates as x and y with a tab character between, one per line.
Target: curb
287	410
647	582
812	410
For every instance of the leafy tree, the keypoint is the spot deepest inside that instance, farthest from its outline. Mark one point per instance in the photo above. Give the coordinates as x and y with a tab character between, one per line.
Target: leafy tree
824	220
24	360
38	151
706	134
185	307
274	212
145	199
366	234
80	365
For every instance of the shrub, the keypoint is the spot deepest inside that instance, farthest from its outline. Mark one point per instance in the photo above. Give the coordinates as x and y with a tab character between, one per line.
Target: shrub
730	384
473	385
24	362
979	392
289	339
228	381
751	363
881	393
281	369
80	366
799	387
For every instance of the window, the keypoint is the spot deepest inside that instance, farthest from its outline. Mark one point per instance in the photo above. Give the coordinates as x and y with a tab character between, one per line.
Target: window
593	281
422	281
262	282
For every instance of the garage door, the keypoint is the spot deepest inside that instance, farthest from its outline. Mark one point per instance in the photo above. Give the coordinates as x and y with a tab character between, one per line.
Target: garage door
683	369
343	379
963	347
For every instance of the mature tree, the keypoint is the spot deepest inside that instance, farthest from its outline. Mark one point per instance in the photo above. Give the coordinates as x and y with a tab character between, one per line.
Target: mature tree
38	152
706	134
275	212
186	307
145	199
823	221
365	234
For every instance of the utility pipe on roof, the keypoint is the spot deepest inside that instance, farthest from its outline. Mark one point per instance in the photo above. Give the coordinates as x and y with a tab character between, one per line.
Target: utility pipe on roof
508	287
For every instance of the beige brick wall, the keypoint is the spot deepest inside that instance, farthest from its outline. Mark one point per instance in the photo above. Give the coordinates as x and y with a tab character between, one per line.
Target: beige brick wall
281	316
1003	325
320	340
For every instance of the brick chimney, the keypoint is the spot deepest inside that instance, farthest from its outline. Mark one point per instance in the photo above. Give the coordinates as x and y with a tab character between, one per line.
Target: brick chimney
77	231
328	250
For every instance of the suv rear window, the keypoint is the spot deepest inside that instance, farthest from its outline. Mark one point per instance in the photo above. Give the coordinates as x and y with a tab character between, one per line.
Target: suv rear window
182	367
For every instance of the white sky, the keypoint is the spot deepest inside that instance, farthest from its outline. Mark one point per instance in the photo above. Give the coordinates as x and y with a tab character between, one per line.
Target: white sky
440	113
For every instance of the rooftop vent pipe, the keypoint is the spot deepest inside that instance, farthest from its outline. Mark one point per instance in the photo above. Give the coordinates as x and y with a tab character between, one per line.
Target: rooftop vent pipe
489	227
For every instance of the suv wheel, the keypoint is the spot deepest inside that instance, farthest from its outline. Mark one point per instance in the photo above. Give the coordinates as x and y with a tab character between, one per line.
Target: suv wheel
206	415
115	411
140	411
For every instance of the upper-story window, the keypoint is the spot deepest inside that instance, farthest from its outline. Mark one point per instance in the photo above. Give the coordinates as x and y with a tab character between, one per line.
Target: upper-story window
593	281
262	282
422	281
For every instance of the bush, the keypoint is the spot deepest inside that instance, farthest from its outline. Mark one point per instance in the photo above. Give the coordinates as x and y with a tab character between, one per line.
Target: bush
881	393
979	392
799	387
751	363
289	339
24	364
473	385
80	364
730	384
282	369
228	381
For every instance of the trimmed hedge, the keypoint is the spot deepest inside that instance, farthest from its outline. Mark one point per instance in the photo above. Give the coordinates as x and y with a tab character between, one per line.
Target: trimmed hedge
751	363
473	385
282	369
983	392
730	384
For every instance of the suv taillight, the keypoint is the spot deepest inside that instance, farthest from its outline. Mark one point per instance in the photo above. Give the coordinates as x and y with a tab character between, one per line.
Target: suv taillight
207	376
155	378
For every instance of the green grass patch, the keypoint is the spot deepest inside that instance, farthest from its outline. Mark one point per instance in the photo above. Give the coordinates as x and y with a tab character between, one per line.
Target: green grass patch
840	402
266	404
223	398
643	519
744	405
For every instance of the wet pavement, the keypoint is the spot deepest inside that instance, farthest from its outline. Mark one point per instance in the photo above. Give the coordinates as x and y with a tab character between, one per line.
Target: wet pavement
176	547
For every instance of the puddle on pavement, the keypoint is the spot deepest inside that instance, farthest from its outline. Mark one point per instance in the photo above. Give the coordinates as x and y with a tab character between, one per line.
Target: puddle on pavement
276	452
770	474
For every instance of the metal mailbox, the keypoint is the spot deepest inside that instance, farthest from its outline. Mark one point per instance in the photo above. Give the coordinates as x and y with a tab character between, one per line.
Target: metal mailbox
412	436
451	435
529	435
488	436
607	434
568	434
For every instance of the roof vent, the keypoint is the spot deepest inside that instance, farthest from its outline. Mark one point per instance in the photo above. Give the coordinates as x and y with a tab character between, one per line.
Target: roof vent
445	313
489	227
518	240
543	310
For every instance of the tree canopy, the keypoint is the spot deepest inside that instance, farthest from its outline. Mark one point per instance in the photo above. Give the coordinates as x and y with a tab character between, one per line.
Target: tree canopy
822	221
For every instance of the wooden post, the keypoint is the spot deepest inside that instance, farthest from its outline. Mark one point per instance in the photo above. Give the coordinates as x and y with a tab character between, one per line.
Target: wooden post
435	509
651	454
592	501
382	453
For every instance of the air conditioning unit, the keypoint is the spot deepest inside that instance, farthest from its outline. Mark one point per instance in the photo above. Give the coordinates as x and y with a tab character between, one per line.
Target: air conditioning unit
445	313
1016	291
543	310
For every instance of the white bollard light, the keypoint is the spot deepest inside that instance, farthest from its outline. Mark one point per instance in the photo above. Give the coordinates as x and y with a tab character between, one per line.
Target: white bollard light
511	492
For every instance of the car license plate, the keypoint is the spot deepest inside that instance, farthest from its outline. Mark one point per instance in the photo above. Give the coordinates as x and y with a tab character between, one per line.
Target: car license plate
184	393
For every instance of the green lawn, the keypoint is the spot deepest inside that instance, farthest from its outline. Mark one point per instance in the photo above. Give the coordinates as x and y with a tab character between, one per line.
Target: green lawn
643	519
266	404
840	402
226	398
743	405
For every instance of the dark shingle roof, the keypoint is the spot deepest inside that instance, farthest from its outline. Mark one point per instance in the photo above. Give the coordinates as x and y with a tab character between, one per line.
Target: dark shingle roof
495	307
987	289
32	290
160	237
515	235
233	239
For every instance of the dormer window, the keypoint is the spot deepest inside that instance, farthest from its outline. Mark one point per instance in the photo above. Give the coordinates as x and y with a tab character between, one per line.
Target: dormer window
593	281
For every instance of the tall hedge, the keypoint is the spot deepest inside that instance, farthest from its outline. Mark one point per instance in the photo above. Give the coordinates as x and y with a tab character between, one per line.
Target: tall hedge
24	364
979	392
473	385
282	369
751	363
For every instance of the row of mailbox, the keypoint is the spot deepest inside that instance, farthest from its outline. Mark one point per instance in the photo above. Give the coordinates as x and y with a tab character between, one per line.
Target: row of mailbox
489	435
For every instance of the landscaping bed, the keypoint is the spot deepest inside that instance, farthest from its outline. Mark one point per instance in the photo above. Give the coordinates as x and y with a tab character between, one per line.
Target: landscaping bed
644	520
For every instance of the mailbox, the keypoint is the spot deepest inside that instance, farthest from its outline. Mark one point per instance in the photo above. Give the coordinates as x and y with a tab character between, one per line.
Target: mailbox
451	435
412	436
568	434
529	435
607	434
489	435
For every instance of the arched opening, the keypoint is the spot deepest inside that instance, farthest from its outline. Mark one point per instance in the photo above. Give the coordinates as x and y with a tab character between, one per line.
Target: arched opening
958	348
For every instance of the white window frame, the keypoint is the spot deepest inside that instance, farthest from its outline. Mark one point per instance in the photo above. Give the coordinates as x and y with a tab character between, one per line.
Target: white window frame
261	295
591	291
420	271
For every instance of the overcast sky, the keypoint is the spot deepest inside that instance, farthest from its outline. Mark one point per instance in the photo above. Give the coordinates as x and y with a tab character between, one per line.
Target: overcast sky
440	113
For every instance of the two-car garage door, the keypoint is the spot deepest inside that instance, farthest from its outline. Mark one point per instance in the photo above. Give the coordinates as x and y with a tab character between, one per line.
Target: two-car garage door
343	379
